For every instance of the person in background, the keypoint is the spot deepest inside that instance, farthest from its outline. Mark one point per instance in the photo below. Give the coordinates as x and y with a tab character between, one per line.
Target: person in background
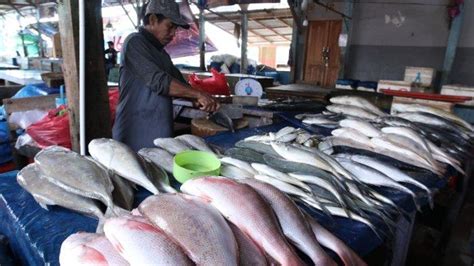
148	80
110	58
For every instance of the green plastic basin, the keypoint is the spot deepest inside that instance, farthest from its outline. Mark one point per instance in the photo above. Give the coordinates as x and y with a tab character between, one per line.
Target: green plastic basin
191	164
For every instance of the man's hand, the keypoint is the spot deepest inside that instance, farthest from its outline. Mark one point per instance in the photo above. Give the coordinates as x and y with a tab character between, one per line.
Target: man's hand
207	102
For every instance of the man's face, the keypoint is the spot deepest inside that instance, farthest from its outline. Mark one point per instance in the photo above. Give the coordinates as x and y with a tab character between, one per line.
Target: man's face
164	30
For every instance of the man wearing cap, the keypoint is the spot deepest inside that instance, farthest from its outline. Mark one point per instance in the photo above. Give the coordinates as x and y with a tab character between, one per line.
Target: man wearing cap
149	80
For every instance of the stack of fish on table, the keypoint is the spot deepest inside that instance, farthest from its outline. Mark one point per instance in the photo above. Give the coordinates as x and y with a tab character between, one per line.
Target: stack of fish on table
204	224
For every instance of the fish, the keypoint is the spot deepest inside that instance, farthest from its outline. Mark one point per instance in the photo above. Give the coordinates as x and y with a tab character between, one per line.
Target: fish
122	160
234	172
320	182
89	249
239	164
267	170
442	156
373	177
337	211
284	131
413	146
320	121
352	111
245	208
158	156
123	193
82	176
141	243
292	221
350	133
362	126
47	193
409	133
392	172
246	155
196	226
327	146
328	240
171	145
287	138
358	102
387	148
295	154
257	147
425	118
222	119
249	252
401	108
157	176
194	142
303	137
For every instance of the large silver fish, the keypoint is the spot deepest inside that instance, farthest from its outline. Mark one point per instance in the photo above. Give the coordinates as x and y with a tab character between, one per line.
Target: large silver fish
195	142
122	160
239	164
46	193
235	173
350	133
267	170
123	193
195	225
401	108
157	176
141	243
158	156
76	174
364	127
299	155
171	145
246	209
292	221
392	172
358	102
352	111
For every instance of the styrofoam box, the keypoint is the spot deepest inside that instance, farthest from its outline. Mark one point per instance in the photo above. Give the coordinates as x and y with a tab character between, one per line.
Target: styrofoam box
426	75
459	90
395	85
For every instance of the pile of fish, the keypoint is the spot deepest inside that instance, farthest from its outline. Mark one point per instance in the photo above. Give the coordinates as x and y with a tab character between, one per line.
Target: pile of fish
64	178
421	136
210	224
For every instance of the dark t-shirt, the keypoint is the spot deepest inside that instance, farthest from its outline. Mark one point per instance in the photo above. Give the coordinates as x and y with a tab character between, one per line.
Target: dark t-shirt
145	111
111	56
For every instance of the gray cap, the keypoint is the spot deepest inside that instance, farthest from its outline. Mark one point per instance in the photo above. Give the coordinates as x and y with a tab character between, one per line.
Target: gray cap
169	9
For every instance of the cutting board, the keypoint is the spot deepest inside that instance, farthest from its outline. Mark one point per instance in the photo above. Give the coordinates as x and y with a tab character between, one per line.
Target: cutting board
203	127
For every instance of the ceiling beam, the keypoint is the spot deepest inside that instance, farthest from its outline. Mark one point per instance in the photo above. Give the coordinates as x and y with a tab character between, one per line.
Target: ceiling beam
270	29
259	14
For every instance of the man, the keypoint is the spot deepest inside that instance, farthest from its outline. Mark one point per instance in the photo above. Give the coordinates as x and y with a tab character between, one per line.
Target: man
110	58
149	80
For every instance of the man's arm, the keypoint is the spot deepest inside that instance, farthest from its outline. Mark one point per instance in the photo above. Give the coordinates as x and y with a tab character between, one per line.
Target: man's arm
207	103
138	60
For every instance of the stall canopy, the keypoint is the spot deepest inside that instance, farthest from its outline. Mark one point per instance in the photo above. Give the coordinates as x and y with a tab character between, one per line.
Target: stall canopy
215	3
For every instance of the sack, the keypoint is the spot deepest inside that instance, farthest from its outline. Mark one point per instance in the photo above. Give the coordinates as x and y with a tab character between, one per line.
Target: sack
215	85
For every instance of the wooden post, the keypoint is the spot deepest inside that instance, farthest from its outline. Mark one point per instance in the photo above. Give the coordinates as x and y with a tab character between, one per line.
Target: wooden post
97	101
98	122
68	12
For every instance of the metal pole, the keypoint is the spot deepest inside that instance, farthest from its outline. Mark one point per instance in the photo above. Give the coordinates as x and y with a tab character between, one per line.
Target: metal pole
453	40
202	39
347	30
244	30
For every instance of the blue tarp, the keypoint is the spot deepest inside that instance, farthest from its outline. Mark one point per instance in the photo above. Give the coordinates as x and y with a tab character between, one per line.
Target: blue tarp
36	234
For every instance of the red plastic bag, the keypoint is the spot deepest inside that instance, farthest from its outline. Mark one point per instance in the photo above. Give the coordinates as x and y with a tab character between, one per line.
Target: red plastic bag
216	85
54	128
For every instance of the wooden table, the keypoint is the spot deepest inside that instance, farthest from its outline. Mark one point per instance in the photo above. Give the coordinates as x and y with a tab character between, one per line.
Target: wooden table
22	77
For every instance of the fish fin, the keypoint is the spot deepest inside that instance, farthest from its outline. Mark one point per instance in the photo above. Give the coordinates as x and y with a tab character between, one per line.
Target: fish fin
43	205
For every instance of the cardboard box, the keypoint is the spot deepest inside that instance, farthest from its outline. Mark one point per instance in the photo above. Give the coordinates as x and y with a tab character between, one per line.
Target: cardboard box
423	76
459	90
393	85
